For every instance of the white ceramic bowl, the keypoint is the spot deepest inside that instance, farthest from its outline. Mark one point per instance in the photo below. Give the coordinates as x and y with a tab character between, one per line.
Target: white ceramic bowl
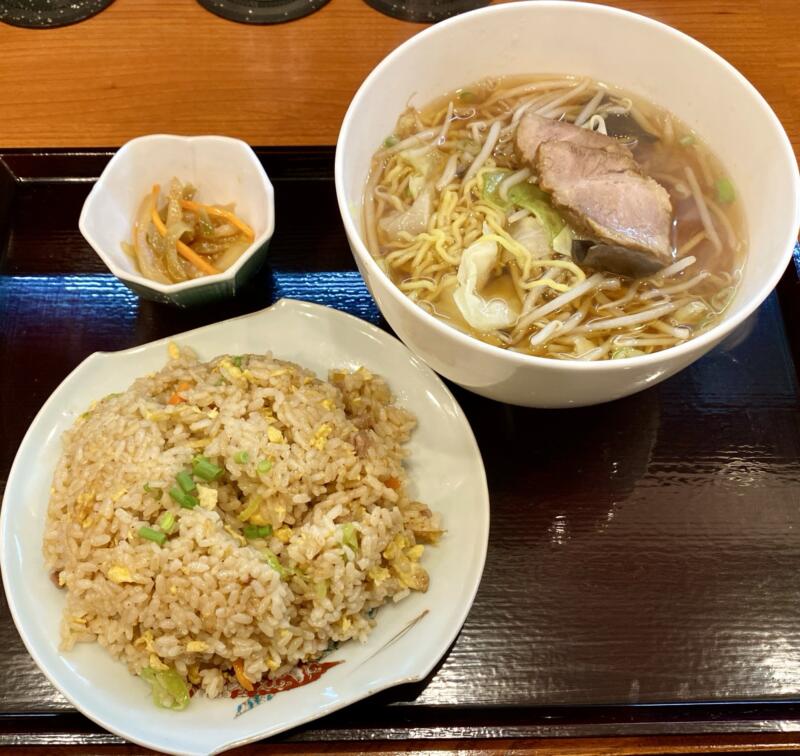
223	169
636	53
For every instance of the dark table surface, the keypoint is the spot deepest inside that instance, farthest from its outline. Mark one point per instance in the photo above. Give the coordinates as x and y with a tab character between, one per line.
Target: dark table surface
642	574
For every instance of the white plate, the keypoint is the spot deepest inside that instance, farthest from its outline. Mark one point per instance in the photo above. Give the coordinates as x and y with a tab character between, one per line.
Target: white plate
446	471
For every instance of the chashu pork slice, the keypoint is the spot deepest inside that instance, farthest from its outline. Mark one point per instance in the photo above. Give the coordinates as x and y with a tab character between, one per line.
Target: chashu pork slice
596	182
534	130
607	197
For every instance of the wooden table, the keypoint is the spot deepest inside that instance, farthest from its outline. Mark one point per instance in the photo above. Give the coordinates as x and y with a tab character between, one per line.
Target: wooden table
144	66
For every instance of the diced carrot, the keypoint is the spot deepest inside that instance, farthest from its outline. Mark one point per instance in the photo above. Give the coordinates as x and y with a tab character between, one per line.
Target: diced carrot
176	397
392	483
238	668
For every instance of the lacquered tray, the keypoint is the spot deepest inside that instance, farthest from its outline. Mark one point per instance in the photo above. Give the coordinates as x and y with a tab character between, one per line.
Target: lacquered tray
643	573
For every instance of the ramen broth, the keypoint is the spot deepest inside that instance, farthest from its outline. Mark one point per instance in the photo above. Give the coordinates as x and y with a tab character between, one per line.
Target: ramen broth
455	214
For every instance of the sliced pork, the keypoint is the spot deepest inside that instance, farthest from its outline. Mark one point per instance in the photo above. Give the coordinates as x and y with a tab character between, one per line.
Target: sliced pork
598	185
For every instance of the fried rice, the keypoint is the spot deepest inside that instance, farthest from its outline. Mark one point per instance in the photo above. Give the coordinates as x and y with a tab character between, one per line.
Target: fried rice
221	522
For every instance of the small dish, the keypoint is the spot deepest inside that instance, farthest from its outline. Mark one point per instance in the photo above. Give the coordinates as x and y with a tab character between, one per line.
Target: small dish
410	637
223	169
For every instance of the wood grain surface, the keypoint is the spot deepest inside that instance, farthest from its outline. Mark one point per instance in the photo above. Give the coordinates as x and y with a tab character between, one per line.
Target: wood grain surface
144	66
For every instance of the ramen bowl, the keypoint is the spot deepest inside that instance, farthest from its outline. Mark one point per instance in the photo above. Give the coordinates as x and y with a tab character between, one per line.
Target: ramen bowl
636	54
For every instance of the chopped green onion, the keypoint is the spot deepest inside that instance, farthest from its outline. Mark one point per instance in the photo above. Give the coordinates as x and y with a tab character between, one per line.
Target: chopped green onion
321	589
725	191
257	531
241	457
205	469
169	688
166	522
152	535
687	139
153	490
350	537
186	500
264	466
465	95
237	360
185	481
390	141
275	563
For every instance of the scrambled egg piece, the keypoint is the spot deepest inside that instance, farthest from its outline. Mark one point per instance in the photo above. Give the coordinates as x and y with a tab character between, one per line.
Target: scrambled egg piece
403	563
119	574
193	673
399	543
283	534
321	436
207	496
275	436
378	574
157	664
146	640
196	647
85	505
173	350
230	370
328	404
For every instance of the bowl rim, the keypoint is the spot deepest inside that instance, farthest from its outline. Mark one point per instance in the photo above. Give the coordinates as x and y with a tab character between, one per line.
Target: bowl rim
704	341
193	283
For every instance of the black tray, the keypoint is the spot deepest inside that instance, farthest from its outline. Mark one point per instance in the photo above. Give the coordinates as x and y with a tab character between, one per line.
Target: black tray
643	573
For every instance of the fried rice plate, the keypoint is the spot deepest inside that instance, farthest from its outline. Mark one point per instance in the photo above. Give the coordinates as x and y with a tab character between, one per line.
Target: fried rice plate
220	522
